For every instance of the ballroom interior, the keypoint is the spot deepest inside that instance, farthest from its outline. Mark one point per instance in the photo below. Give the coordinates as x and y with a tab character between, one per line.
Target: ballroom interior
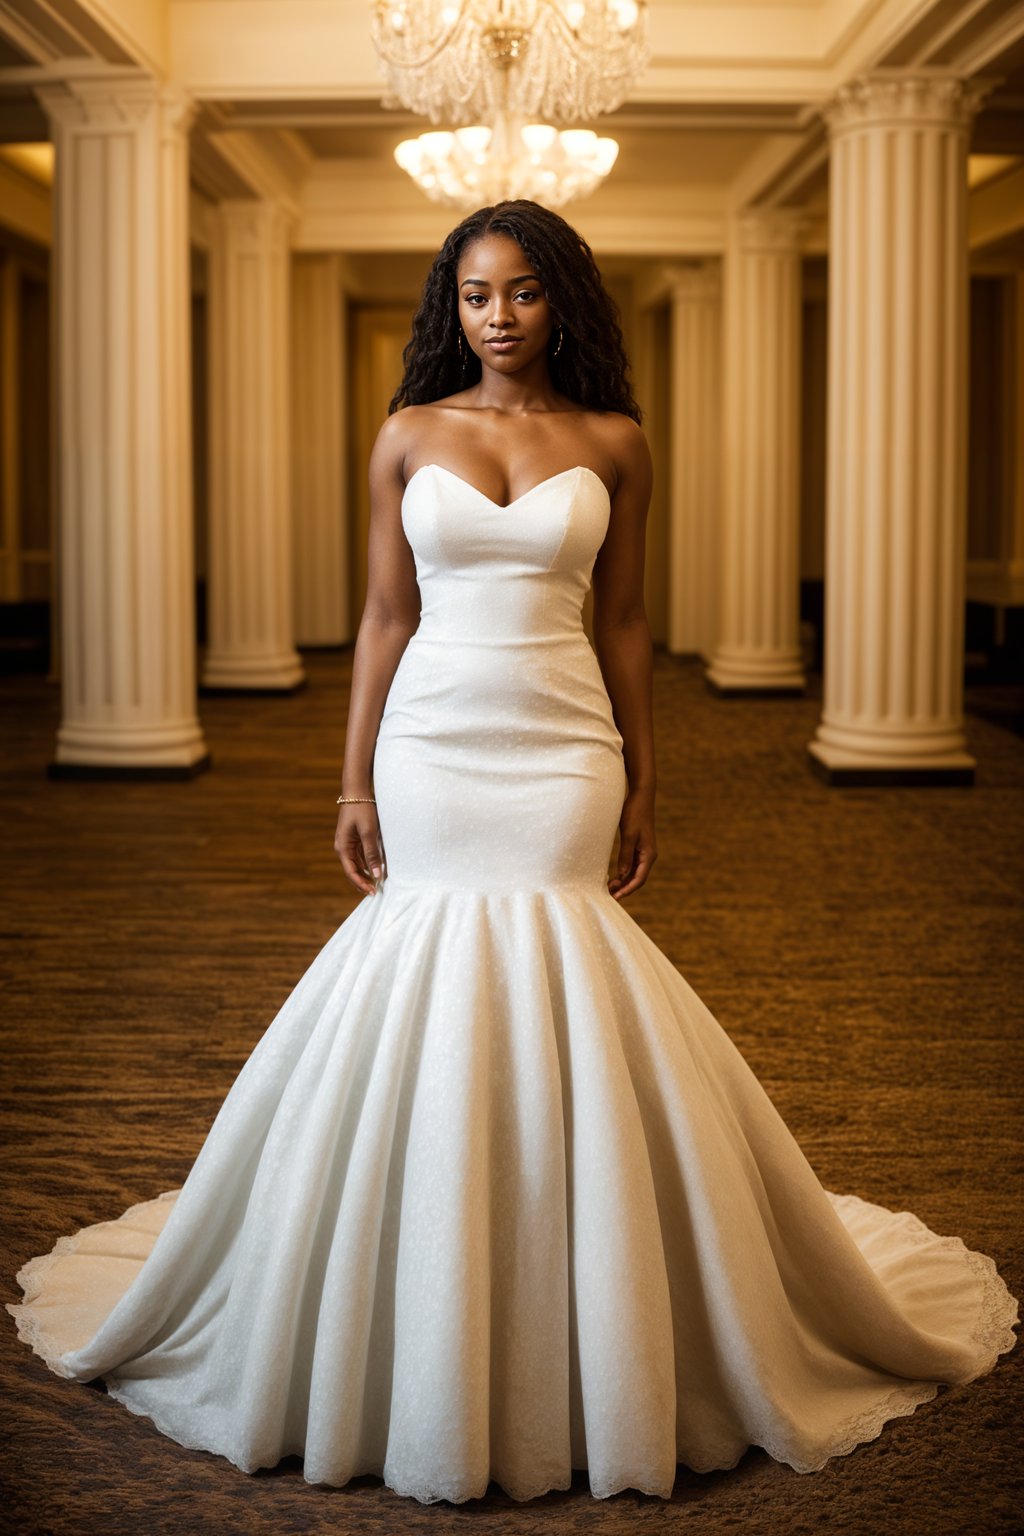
209	258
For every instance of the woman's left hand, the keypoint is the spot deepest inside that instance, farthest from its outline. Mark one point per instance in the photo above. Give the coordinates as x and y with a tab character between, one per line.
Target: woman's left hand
637	845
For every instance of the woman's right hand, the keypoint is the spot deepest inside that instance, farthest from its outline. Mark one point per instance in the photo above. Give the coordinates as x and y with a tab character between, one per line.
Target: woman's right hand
358	844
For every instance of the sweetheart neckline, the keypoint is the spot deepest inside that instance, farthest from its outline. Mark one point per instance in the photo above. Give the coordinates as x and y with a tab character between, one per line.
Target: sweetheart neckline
505	506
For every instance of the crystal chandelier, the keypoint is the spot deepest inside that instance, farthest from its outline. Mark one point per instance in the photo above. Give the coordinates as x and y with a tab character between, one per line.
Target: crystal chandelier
448	58
509	63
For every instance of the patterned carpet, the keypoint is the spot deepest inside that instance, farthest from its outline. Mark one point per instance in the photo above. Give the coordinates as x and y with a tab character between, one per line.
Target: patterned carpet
862	947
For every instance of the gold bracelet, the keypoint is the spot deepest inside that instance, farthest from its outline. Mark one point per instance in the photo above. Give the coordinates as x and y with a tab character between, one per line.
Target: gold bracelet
355	800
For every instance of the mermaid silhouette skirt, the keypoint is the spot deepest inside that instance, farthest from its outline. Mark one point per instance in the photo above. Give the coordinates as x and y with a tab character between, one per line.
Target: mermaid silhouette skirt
495	1197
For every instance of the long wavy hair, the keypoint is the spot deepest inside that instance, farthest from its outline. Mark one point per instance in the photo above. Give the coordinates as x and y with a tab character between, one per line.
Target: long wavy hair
591	367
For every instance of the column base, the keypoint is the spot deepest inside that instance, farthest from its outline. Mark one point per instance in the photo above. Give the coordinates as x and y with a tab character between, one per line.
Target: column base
250	691
253	674
123	771
747	676
165	750
845	770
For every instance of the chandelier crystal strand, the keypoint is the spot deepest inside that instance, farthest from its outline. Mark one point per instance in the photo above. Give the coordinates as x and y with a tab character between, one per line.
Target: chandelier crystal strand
564	60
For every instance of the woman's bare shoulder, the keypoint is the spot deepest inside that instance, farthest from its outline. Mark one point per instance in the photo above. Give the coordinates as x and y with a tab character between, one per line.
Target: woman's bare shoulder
398	435
619	430
624	441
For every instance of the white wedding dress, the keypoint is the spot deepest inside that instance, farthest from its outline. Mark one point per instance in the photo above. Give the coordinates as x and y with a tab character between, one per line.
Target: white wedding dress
494	1196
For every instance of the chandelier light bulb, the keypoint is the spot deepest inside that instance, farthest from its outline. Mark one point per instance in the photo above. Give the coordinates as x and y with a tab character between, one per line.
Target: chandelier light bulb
538	137
474	139
605	155
437	145
409	155
578	142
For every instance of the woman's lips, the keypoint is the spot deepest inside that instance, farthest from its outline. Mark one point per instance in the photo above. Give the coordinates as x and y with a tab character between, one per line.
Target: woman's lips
503	343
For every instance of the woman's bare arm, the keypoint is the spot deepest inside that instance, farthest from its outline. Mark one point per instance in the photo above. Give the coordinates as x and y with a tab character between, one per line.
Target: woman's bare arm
390	616
622	641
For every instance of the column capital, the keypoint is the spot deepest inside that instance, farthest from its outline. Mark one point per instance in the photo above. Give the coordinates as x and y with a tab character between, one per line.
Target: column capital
254	219
695	283
899	97
115	97
770	229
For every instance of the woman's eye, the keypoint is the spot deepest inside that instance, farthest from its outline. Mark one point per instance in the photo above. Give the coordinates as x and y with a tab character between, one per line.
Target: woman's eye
474	300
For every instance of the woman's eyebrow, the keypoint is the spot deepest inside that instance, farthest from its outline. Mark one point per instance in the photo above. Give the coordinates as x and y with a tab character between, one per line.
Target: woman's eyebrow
483	283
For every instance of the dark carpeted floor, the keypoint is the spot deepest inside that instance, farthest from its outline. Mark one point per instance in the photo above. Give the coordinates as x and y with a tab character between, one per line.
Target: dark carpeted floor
862	947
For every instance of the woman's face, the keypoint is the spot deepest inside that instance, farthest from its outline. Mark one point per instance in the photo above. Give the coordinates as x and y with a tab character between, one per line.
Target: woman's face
500	295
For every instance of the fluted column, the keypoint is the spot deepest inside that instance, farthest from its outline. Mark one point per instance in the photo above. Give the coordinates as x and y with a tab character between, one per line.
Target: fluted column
319	500
897	431
250	609
758	644
124	427
695	461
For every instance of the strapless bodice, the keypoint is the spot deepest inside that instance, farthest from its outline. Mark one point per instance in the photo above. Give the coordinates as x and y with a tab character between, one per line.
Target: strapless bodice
490	573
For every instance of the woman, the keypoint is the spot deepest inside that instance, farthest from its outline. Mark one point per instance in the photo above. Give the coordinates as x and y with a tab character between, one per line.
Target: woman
495	1197
503	391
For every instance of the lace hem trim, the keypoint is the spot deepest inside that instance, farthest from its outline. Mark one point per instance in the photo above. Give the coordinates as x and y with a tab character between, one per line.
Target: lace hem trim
31	1277
992	1334
998	1311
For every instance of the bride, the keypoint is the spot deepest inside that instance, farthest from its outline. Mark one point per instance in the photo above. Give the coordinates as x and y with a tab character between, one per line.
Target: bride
495	1197
549	395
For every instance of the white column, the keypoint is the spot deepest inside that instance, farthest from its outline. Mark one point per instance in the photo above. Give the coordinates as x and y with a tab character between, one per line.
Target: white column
124	427
250	612
319	480
695	460
897	431
758	643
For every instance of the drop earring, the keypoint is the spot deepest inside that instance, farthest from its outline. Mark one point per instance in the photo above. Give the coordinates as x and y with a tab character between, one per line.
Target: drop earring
559	347
462	350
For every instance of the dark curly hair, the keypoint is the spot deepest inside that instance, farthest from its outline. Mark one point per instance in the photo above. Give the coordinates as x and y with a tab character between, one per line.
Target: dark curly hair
591	367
